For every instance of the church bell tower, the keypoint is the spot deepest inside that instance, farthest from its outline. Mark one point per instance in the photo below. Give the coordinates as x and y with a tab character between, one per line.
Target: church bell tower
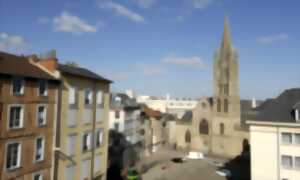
226	78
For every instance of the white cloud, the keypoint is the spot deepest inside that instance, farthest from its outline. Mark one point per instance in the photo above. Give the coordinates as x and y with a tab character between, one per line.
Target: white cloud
11	42
202	4
194	61
145	3
120	10
272	38
67	22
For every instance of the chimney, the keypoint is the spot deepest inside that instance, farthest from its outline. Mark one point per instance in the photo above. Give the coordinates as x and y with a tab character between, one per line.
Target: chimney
49	64
253	103
49	61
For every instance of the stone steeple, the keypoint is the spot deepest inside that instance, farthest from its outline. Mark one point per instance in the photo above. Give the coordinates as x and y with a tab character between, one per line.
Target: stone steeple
226	42
226	77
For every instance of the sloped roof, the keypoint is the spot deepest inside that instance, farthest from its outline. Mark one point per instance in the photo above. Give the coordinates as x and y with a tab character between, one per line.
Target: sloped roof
187	117
82	72
281	108
20	66
151	113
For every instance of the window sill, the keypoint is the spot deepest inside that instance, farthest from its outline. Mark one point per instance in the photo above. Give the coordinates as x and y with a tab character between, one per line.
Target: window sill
39	161
42	125
16	129
13	169
18	95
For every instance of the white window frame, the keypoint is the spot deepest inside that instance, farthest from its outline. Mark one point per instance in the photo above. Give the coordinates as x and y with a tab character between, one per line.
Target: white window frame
39	88
90	96
43	150
19	155
45	115
22	86
22	113
38	173
99	136
89	141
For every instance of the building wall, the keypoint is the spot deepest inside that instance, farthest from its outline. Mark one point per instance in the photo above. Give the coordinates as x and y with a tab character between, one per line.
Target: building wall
266	145
30	132
113	120
83	161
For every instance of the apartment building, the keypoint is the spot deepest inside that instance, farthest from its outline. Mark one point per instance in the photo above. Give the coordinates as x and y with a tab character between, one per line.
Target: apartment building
125	117
82	137
28	97
275	138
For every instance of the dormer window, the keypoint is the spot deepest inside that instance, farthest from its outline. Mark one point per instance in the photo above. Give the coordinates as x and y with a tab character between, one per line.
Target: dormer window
43	88
18	86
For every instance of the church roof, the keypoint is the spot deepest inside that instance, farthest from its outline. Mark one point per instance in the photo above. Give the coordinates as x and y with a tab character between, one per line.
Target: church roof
226	42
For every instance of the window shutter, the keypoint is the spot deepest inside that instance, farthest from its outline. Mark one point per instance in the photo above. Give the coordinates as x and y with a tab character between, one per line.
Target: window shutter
99	97
88	140
71	95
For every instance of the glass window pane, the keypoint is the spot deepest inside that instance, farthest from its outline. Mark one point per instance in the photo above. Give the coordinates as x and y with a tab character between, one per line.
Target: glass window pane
287	161
297	139
297	162
286	138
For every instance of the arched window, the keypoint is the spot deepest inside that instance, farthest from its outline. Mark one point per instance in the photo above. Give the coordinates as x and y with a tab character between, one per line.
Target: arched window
222	128
188	136
219	105
203	127
220	89
226	105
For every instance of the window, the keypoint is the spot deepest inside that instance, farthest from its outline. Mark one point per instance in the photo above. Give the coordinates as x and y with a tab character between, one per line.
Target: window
41	115
86	141
219	105
71	145
99	97
13	155
203	127
286	138
297	139
99	138
16	117
116	126
222	129
97	163
117	114
203	105
220	89
72	96
226	105
188	136
39	149
287	161
297	162
18	86
85	169
37	176
43	88
88	97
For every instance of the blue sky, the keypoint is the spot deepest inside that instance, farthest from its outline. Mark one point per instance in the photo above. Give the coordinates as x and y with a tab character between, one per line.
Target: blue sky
162	46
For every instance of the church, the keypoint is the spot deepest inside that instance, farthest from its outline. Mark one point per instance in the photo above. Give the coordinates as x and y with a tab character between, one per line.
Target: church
217	124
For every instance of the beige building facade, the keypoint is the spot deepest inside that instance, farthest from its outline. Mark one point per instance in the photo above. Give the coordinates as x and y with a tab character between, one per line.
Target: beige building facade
82	140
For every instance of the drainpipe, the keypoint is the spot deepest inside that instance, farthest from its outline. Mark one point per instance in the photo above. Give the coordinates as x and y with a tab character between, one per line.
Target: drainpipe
94	128
58	128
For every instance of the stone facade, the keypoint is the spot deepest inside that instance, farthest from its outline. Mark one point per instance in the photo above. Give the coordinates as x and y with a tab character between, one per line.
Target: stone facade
214	126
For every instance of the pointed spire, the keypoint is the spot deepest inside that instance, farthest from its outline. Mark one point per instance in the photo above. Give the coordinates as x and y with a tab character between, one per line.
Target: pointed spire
226	42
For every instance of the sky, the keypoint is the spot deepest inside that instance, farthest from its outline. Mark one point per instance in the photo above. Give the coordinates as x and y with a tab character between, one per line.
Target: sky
156	47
